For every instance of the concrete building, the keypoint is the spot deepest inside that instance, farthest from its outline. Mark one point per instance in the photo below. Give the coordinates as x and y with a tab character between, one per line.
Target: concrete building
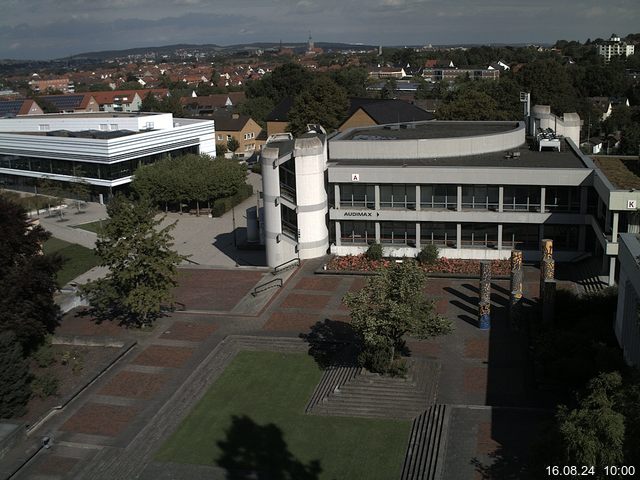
102	148
627	327
614	47
475	189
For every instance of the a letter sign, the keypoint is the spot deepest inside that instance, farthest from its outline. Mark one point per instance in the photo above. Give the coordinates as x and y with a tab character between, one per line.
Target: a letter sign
361	214
355	177
632	204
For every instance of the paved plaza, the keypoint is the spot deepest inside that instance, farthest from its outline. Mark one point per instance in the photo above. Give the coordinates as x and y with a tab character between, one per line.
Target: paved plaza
484	376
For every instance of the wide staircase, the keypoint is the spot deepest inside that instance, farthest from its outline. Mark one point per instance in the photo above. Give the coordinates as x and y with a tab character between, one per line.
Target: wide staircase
350	392
423	460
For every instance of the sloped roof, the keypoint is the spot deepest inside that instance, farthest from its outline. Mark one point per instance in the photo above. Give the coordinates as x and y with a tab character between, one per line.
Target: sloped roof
218	100
73	101
12	108
226	122
384	111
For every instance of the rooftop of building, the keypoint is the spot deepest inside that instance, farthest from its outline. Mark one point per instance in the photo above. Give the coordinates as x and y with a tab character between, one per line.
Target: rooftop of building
523	157
95	134
622	172
93	115
427	130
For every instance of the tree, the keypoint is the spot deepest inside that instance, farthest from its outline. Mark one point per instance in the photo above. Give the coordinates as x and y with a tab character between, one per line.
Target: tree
321	102
14	377
391	305
80	189
141	262
257	108
593	433
27	278
233	145
221	149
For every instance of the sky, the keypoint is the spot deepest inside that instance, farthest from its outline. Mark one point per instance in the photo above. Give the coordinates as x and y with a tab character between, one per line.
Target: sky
46	29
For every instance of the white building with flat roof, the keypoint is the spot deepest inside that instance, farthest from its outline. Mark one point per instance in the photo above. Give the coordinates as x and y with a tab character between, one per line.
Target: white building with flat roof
104	149
614	47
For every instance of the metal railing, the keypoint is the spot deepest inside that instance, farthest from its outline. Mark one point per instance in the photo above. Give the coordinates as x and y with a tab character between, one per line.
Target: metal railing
294	262
274	283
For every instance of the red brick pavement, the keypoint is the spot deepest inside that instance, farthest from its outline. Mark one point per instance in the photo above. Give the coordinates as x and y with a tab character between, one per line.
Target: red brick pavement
98	419
76	323
55	465
291	321
476	348
326	284
475	379
299	300
134	384
188	331
214	289
427	348
162	356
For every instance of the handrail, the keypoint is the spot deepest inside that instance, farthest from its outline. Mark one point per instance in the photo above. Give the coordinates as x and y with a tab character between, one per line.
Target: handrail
286	265
276	282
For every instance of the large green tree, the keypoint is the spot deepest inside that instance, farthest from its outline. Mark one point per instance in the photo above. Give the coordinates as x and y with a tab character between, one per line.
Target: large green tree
593	433
321	102
391	305
27	278
142	264
14	376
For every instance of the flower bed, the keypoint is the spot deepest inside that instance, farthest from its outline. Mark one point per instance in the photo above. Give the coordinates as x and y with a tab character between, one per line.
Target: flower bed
360	263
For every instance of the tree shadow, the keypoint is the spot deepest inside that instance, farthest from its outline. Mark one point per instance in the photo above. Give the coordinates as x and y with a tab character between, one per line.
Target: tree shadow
259	452
333	343
234	245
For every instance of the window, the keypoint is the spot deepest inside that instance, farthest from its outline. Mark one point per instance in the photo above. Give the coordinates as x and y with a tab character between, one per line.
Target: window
565	237
249	136
398	233
229	137
439	196
104	127
398	196
149	125
220	137
480	197
521	198
440	234
479	235
562	199
113	126
520	236
43	127
289	222
287	173
358	233
357	195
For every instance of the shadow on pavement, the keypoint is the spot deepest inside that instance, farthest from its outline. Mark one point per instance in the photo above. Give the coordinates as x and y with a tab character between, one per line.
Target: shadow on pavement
332	343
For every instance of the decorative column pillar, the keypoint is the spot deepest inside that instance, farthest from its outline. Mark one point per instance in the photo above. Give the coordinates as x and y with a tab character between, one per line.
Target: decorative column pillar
547	264
516	287
484	303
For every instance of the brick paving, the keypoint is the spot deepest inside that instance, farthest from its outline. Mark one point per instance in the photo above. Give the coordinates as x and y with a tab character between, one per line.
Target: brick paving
214	289
100	419
319	283
300	300
134	384
163	356
56	465
291	321
188	331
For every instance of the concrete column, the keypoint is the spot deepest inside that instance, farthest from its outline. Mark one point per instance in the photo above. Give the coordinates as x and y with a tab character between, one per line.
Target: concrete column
459	193
338	233
543	199
582	237
584	193
418	235
499	236
623	288
336	194
614	228
417	199
501	199
459	236
612	271
376	189
378	232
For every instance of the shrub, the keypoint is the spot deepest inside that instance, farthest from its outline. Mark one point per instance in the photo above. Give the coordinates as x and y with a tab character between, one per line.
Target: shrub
374	252
222	205
256	167
44	356
14	377
398	368
45	385
375	359
428	255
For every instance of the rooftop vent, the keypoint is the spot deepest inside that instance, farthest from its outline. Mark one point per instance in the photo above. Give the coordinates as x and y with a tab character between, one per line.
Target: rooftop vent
515	154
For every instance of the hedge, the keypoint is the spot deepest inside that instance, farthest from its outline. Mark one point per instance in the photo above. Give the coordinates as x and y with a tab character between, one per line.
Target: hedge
222	205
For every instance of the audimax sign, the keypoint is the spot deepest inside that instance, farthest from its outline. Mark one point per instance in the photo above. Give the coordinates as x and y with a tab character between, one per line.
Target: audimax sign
360	214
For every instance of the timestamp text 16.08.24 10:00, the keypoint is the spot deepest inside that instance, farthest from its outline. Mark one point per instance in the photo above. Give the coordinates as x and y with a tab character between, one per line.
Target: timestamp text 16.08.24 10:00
613	471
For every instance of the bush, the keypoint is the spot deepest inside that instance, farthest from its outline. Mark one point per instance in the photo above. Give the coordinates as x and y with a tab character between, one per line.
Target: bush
375	359
398	368
256	167
428	255
222	205
374	252
14	377
44	356
45	385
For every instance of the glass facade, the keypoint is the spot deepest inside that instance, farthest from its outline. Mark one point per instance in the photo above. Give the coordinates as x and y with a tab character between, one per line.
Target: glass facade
289	222
98	171
565	237
562	199
520	236
287	173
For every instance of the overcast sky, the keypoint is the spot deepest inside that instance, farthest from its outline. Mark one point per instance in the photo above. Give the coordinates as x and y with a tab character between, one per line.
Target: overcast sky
44	29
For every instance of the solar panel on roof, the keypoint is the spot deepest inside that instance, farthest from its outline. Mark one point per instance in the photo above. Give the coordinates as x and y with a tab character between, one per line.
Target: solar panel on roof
67	102
11	107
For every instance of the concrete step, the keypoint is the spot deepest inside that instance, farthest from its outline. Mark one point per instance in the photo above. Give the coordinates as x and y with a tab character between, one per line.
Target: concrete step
426	445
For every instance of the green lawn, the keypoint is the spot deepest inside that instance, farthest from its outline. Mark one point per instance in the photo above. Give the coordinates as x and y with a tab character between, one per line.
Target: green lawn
93	226
273	388
79	259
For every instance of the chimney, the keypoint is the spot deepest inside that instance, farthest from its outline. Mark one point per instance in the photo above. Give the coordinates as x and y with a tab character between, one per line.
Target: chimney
235	116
